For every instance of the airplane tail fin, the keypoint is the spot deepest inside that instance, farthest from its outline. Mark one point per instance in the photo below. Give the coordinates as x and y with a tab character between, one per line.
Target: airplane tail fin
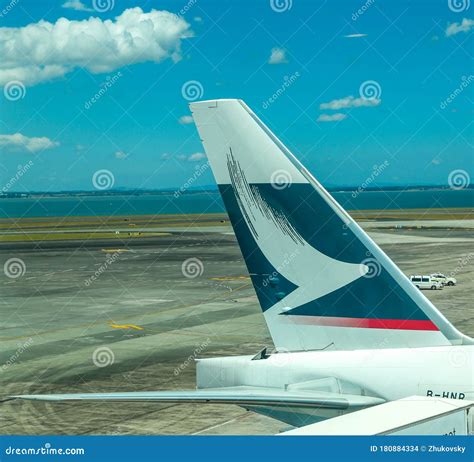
320	279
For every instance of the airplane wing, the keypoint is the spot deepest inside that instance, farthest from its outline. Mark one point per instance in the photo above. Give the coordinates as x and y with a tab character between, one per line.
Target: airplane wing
415	415
241	396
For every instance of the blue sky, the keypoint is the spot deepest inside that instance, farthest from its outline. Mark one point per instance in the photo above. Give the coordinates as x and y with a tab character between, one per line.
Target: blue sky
325	57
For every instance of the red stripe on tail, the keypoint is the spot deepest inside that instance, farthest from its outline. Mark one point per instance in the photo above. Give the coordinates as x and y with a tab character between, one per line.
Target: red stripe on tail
367	323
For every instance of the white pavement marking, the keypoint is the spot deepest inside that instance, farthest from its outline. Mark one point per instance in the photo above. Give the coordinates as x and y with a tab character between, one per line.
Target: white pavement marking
215	426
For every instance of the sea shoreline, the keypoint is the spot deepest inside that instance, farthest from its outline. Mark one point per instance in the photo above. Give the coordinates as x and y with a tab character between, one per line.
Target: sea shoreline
211	203
127	228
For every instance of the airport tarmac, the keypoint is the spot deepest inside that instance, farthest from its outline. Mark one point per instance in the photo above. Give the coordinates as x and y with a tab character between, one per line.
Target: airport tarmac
129	314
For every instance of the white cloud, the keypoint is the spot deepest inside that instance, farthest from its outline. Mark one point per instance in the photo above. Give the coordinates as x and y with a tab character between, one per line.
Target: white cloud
29	74
455	28
277	56
196	156
186	120
350	101
42	51
184	157
121	155
355	35
331	117
76	5
19	142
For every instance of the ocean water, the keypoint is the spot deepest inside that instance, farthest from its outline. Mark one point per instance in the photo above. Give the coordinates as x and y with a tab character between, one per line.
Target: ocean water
210	202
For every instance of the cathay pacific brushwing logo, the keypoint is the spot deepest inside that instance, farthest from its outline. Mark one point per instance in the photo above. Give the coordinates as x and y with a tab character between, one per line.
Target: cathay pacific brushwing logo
314	273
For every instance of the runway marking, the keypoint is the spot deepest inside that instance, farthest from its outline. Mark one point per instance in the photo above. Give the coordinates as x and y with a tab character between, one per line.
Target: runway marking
126	326
220	424
142	301
115	250
149	313
214	426
230	278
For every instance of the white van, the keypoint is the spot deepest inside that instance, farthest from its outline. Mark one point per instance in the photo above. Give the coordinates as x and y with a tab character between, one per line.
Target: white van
426	282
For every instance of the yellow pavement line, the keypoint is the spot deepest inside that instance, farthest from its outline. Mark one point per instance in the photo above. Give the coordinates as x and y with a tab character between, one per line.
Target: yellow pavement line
115	250
126	326
19	337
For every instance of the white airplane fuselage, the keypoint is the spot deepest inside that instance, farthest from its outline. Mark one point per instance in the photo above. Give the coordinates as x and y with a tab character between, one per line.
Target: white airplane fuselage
389	374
